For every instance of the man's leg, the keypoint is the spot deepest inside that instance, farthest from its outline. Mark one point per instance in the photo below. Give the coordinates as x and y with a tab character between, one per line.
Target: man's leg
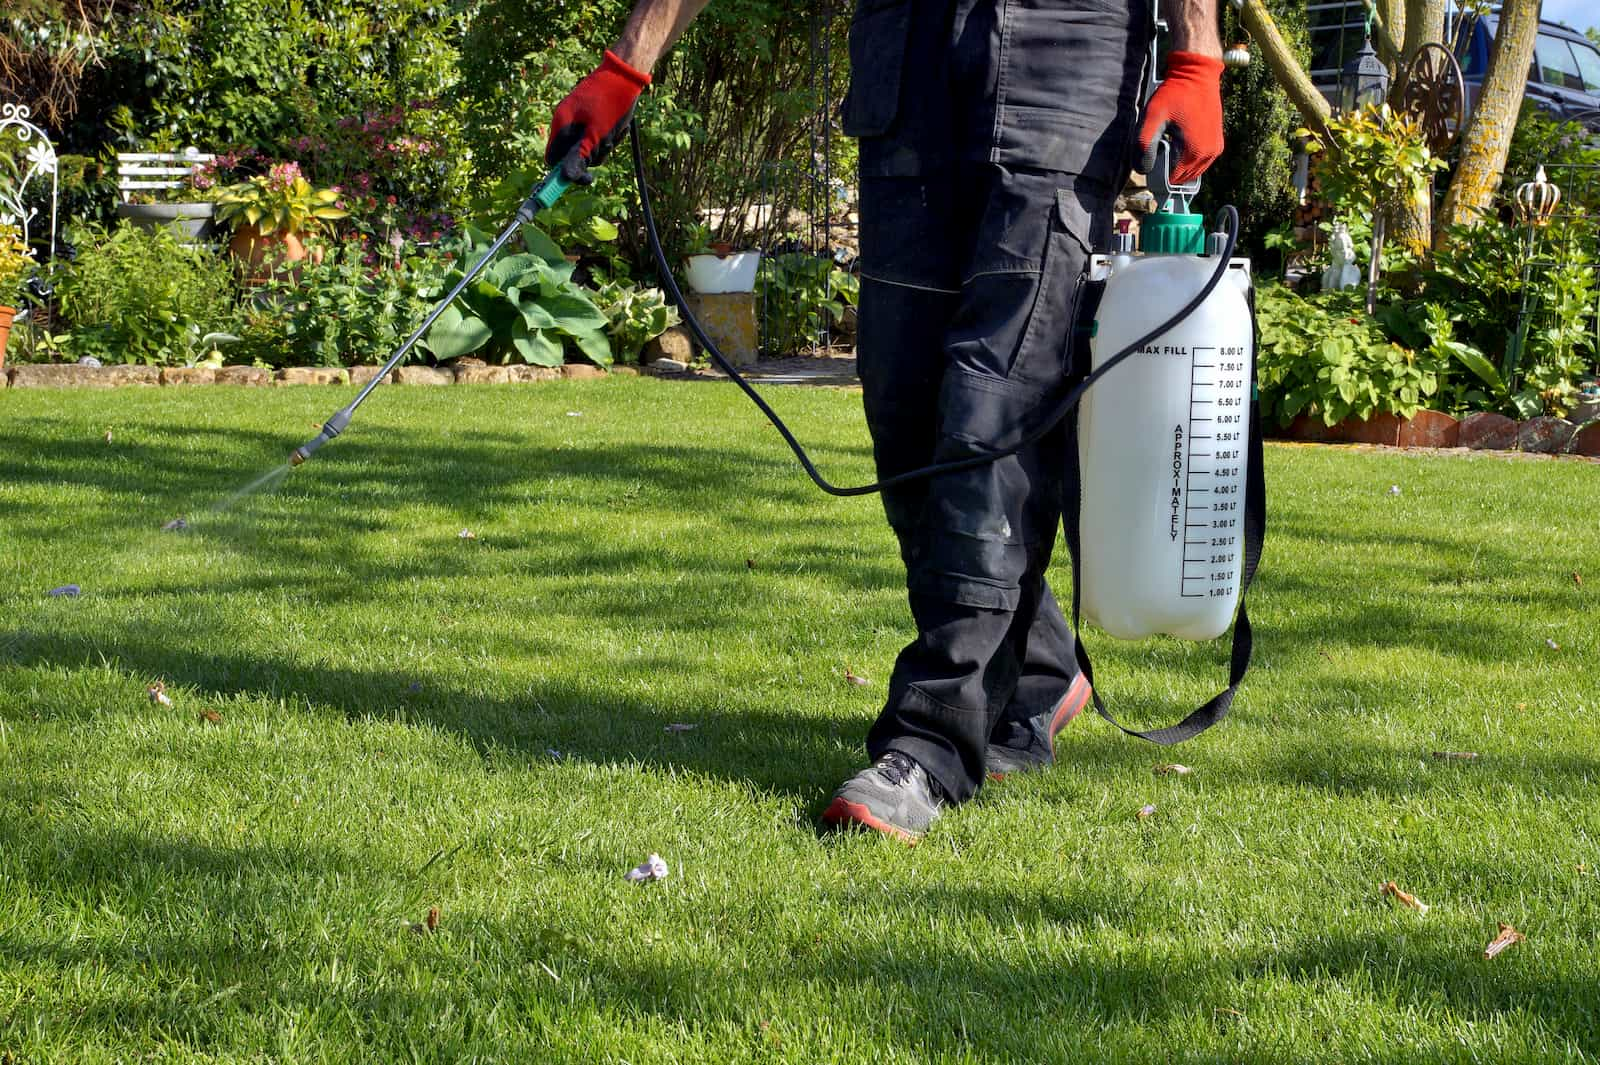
969	538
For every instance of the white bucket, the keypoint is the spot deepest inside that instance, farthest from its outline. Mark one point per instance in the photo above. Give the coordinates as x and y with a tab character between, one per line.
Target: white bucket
711	274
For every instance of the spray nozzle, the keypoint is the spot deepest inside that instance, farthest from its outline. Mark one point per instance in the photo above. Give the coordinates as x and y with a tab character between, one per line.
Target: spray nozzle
330	429
1169	197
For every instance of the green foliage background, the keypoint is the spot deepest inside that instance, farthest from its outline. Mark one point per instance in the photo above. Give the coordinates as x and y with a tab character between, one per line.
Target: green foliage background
1254	173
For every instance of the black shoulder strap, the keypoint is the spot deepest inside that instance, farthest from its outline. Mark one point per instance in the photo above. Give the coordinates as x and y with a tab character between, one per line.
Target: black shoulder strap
1255	529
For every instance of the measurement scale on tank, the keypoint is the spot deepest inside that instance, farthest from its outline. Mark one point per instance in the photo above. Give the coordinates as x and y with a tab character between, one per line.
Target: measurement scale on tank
1207	454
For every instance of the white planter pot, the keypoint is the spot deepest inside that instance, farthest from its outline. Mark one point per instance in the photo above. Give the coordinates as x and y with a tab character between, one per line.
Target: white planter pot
711	274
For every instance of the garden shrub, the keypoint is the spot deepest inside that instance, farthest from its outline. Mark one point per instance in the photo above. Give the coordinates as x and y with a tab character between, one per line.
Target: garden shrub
797	296
1323	356
353	308
139	296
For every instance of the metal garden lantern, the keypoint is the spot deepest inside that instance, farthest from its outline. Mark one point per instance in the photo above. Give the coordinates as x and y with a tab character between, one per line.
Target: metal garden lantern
1537	199
1364	81
1237	56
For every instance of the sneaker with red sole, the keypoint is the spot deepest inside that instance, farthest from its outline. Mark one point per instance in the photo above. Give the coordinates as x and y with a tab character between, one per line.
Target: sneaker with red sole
1039	748
893	796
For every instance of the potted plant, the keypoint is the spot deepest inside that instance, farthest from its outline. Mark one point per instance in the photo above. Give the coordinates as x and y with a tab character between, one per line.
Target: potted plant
271	212
713	267
187	208
15	262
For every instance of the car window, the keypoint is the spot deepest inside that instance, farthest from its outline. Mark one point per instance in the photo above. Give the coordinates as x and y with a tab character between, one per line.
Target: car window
1589	66
1557	65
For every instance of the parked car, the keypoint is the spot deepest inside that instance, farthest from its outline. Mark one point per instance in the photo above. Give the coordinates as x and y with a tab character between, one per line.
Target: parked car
1564	77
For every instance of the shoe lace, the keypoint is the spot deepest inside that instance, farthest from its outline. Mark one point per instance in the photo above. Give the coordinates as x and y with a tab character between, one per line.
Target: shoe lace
896	767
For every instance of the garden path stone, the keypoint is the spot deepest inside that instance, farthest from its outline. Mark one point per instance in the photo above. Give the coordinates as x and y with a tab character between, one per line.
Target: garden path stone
250	376
313	375
675	343
360	375
482	375
579	371
188	375
1545	436
423	375
1488	431
527	375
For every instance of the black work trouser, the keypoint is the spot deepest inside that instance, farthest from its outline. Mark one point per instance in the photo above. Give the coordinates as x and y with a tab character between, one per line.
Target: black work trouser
994	135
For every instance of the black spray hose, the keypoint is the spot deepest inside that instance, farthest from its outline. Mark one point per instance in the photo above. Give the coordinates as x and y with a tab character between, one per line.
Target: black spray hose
1228	216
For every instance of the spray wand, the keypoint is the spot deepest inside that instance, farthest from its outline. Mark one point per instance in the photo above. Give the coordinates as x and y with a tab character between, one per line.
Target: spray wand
544	194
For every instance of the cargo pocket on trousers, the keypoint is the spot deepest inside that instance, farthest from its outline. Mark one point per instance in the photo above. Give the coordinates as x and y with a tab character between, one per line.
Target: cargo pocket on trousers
1044	355
878	35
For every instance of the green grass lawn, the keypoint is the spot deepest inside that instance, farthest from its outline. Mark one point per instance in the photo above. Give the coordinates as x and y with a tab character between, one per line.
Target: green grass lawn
406	719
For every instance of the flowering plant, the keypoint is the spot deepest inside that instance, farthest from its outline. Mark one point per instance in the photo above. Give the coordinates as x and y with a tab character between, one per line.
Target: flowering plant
15	262
279	200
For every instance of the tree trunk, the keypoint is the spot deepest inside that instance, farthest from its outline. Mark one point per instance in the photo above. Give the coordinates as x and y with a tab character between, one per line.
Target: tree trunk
1488	136
1413	222
1424	25
1390	27
1286	70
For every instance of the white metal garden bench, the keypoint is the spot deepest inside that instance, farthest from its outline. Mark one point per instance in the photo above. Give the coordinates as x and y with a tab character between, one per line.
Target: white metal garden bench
147	171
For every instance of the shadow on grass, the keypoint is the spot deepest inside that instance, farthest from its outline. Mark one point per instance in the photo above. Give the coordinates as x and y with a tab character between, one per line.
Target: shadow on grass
1028	979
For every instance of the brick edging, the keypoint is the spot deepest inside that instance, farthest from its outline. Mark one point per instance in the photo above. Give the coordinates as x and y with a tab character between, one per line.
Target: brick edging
71	375
1480	431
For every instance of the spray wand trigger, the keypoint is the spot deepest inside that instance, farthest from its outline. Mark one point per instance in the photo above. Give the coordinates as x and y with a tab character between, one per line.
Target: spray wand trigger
1169	197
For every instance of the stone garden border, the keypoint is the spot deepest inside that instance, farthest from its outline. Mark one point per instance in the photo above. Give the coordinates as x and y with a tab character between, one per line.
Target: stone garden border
1482	431
72	375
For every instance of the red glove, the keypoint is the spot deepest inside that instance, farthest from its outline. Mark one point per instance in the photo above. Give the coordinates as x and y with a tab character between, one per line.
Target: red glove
593	117
1186	107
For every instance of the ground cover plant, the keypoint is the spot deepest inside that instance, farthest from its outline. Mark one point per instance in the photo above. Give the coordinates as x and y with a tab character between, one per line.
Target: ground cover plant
374	715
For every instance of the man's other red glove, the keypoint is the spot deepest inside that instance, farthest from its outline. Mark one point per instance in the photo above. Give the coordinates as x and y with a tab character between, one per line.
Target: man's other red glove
593	117
1187	107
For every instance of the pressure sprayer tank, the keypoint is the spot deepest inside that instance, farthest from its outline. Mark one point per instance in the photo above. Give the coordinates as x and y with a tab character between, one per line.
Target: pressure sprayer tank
1162	440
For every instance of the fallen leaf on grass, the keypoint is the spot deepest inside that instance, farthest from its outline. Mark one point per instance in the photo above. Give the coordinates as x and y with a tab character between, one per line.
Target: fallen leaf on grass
1172	769
211	716
681	726
1455	756
433	918
1146	812
66	591
1394	489
175	525
652	868
1392	889
466	534
1577	579
108	436
1522	706
1506	938
850	677
574	413
158	694
1552	644
749	563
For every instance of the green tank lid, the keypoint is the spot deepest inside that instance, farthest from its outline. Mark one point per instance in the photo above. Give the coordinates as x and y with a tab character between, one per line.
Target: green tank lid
1171	233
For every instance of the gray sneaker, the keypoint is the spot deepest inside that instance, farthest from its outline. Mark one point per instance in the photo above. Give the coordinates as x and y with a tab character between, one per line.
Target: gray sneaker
1039	747
894	796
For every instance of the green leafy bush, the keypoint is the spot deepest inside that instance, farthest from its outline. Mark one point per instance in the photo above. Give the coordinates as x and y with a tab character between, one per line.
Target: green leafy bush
636	316
350	309
139	296
524	304
1324	357
799	294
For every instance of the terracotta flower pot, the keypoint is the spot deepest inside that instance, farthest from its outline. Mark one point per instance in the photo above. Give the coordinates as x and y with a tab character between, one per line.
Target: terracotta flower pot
6	314
263	253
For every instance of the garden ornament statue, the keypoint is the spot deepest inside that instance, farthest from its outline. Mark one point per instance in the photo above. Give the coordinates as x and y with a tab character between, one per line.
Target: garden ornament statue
1342	272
